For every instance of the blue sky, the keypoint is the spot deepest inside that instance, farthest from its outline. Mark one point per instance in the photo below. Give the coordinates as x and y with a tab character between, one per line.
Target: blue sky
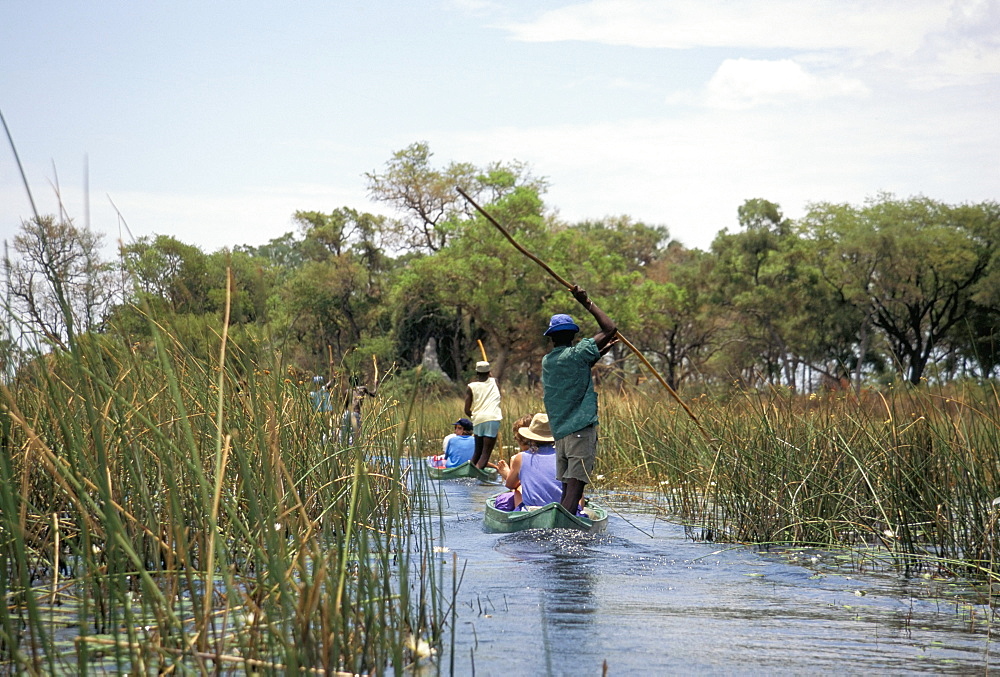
214	122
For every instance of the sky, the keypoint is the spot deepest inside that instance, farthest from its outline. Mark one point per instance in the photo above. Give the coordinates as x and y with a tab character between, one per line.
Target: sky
213	122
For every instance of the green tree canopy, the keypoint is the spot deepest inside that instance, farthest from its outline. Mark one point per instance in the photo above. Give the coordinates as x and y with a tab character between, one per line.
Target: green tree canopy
909	267
432	211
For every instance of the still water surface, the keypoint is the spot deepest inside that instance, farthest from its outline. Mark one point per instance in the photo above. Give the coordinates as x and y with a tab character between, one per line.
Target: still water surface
645	600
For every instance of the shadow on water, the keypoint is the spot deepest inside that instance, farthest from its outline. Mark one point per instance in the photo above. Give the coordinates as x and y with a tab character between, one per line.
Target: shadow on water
647	601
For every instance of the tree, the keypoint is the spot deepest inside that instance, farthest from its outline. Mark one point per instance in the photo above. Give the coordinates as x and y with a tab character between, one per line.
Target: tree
327	234
477	287
333	298
284	253
170	273
433	212
754	272
909	267
253	281
757	214
977	337
675	319
324	300
58	282
977	342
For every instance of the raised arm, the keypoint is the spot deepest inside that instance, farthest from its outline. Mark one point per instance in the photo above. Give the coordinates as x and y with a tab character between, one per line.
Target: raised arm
608	328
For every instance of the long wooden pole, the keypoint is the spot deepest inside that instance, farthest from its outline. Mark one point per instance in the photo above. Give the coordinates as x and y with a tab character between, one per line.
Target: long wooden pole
568	285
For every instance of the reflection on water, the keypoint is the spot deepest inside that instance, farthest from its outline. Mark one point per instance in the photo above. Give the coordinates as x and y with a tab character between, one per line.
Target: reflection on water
647	601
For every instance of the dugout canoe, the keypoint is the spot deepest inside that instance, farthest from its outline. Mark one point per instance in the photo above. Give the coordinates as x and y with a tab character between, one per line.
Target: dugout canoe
464	470
551	516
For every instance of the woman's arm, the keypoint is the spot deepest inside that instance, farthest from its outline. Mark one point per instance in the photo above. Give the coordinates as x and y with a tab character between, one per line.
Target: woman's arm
513	479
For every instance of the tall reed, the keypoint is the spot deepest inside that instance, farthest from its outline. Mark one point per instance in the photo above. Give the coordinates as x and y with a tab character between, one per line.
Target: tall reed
194	512
915	471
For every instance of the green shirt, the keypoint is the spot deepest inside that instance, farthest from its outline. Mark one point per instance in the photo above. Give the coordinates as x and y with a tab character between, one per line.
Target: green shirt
570	400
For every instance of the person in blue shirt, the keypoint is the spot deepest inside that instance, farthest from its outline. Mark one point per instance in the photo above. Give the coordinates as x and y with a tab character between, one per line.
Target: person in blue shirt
569	396
321	396
459	449
321	404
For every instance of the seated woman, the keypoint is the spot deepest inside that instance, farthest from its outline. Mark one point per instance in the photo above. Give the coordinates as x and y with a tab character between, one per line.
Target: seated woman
511	500
535	468
459	448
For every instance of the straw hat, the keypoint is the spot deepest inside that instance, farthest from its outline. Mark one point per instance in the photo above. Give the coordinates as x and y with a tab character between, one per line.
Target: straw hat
539	429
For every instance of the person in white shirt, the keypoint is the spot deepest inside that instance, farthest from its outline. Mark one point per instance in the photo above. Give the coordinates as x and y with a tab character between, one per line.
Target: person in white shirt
482	405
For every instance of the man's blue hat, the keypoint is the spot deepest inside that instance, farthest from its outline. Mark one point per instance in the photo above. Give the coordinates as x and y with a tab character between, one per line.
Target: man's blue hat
561	322
465	423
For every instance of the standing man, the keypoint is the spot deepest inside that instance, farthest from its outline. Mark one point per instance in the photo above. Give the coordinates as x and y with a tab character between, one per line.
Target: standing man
321	396
351	424
482	405
570	399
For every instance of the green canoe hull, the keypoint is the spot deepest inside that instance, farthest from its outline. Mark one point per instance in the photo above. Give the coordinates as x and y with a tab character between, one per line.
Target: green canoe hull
551	516
460	471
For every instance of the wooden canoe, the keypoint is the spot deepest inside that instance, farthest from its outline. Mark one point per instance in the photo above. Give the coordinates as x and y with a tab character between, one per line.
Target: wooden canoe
464	470
551	516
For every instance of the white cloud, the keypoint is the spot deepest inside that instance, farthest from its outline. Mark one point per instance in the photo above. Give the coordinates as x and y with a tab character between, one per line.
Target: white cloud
966	50
922	43
745	83
692	173
867	26
970	60
475	6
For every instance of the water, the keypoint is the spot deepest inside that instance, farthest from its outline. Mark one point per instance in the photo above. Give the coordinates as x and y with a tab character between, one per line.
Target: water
644	600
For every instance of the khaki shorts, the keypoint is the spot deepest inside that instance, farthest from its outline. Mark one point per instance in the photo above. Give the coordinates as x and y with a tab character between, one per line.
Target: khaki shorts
575	455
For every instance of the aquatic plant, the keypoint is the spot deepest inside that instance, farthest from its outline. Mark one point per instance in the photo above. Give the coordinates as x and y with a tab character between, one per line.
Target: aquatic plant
161	509
915	471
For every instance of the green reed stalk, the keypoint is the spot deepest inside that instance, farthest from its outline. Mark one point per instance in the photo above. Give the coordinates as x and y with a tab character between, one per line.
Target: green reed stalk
221	451
185	560
914	472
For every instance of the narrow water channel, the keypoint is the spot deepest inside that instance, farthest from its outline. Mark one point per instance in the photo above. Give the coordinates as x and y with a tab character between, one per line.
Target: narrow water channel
642	599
